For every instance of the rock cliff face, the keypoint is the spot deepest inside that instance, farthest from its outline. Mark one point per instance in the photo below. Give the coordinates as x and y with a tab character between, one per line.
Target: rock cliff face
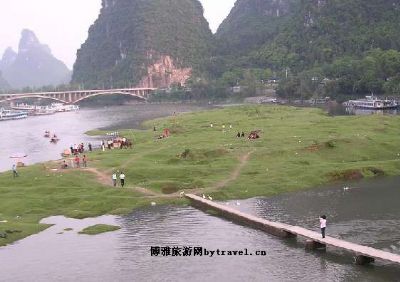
163	73
33	65
144	42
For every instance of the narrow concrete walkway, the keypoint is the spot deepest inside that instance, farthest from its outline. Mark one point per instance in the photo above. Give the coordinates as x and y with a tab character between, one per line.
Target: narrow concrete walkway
363	254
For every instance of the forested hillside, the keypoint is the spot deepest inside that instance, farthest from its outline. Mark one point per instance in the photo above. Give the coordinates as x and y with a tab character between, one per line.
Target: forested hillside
336	47
151	43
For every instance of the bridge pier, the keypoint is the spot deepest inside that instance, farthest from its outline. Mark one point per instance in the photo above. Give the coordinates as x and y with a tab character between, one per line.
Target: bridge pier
314	245
363	260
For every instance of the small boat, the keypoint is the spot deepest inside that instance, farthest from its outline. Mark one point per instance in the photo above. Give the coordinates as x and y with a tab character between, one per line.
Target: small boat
372	103
66	153
54	139
46	134
19	159
12	115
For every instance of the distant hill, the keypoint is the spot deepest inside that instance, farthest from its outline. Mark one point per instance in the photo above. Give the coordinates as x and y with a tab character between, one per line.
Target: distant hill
33	65
3	83
149	43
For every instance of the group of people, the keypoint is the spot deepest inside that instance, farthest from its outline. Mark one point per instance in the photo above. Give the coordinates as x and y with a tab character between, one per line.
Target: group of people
79	148
119	142
254	135
77	162
240	135
121	177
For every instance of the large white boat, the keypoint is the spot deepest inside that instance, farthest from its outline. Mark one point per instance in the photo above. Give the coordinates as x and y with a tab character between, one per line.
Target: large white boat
24	107
45	110
11	115
372	103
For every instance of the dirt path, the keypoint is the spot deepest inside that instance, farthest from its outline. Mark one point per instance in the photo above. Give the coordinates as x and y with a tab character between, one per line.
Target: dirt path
104	177
243	160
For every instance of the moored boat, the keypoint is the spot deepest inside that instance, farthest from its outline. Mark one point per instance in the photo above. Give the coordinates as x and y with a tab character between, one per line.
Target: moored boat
372	103
12	115
59	107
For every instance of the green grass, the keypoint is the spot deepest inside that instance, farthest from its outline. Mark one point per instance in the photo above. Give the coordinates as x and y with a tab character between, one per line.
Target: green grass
298	149
98	229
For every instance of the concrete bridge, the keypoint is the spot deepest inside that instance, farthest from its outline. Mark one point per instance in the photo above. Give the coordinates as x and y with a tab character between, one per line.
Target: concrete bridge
75	96
362	254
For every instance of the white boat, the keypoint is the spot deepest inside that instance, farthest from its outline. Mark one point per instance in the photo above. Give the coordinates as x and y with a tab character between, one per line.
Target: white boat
24	107
12	115
59	107
42	111
372	103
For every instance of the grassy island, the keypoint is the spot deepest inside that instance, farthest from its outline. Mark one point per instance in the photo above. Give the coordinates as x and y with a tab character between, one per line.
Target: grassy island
99	229
299	148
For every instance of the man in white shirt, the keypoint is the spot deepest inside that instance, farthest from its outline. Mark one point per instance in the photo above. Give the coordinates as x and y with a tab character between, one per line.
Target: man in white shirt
122	179
114	179
322	221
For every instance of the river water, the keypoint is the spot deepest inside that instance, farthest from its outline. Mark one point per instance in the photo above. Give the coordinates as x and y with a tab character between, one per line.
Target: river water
20	137
367	213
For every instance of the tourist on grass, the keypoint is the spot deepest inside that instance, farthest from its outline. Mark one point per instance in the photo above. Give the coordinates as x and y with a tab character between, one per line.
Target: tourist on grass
14	170
77	161
322	221
90	147
114	179
64	165
122	179
84	161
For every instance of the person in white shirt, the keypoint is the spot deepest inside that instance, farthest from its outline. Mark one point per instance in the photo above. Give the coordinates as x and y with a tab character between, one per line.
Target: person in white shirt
114	179
122	179
322	221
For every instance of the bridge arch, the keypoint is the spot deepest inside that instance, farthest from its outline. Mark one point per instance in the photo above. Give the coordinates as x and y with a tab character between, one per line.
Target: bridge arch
108	94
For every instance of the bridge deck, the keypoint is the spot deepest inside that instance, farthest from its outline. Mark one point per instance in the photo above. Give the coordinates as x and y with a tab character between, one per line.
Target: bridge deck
277	227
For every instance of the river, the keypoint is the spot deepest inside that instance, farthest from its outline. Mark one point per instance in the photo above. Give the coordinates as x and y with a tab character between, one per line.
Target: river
20	137
367	213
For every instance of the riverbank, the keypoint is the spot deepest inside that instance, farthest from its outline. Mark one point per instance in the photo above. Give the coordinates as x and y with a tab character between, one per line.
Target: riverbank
298	149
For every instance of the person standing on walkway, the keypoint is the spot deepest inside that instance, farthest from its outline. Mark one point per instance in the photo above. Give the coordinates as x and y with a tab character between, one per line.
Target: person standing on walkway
90	147
14	170
322	221
122	179
114	179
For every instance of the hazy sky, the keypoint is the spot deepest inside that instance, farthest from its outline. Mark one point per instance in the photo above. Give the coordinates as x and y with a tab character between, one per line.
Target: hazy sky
63	24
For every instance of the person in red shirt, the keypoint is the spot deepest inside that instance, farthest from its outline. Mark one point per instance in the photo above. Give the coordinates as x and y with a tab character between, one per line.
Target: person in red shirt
77	161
